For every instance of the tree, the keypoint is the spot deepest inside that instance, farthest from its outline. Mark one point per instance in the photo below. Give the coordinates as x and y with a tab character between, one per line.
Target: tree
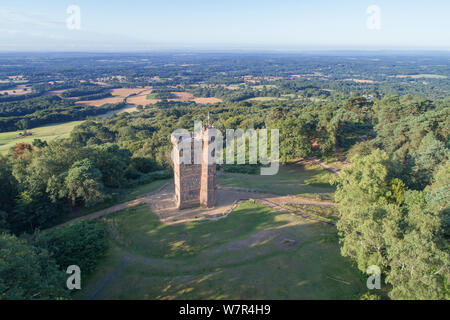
418	260
27	272
8	185
20	148
112	162
23	124
399	230
362	193
82	182
294	139
38	143
82	243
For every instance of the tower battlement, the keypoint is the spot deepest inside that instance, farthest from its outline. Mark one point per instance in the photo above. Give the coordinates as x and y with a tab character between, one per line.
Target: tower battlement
194	168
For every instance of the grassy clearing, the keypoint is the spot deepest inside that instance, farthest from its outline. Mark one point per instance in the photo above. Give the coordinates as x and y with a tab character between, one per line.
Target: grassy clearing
328	214
15	81
243	256
325	196
291	179
47	133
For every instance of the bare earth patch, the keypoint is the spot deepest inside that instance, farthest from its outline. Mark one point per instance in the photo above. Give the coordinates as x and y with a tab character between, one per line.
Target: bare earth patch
141	98
100	102
187	96
118	95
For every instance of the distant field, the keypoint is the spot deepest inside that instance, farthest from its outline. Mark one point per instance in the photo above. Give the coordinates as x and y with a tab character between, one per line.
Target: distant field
359	80
47	133
242	256
118	95
20	89
422	75
266	98
15	81
142	98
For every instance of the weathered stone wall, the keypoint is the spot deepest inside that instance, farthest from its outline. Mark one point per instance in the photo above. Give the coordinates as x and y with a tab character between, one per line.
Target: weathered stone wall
208	188
195	184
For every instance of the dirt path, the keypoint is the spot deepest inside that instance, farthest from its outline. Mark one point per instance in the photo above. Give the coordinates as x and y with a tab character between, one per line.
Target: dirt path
325	166
100	287
280	208
161	203
143	198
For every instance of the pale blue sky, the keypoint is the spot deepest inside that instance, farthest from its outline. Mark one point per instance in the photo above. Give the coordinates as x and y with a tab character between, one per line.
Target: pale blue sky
223	25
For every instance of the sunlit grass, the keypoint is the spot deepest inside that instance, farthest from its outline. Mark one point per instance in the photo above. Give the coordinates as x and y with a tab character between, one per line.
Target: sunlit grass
242	256
46	133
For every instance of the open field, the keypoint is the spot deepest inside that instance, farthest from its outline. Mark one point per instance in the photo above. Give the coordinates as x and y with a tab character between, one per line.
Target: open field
15	81
254	253
423	75
266	98
201	100
187	96
359	80
20	89
47	133
118	95
145	98
142	98
100	102
298	178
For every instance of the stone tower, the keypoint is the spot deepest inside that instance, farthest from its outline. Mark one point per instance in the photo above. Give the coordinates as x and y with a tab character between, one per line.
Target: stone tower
194	169
208	178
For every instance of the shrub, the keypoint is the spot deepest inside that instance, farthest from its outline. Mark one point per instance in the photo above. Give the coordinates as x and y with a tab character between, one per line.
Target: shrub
28	272
81	243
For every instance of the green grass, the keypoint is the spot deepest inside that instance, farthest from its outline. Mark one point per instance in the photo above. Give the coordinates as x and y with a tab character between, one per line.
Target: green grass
328	214
290	179
242	256
14	81
325	196
120	196
151	96
47	133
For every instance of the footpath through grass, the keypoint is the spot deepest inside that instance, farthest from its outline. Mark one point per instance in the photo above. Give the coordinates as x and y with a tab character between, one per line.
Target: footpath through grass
119	196
291	179
254	253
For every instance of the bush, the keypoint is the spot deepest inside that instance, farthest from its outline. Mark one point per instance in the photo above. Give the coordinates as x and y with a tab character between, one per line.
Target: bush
361	149
245	168
370	296
150	177
81	243
27	272
145	165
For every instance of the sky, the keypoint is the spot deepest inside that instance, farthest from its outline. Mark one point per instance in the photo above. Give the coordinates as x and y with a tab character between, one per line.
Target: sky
137	25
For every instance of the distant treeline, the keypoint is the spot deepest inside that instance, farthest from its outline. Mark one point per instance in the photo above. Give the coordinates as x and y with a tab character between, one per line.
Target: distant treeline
83	91
53	114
